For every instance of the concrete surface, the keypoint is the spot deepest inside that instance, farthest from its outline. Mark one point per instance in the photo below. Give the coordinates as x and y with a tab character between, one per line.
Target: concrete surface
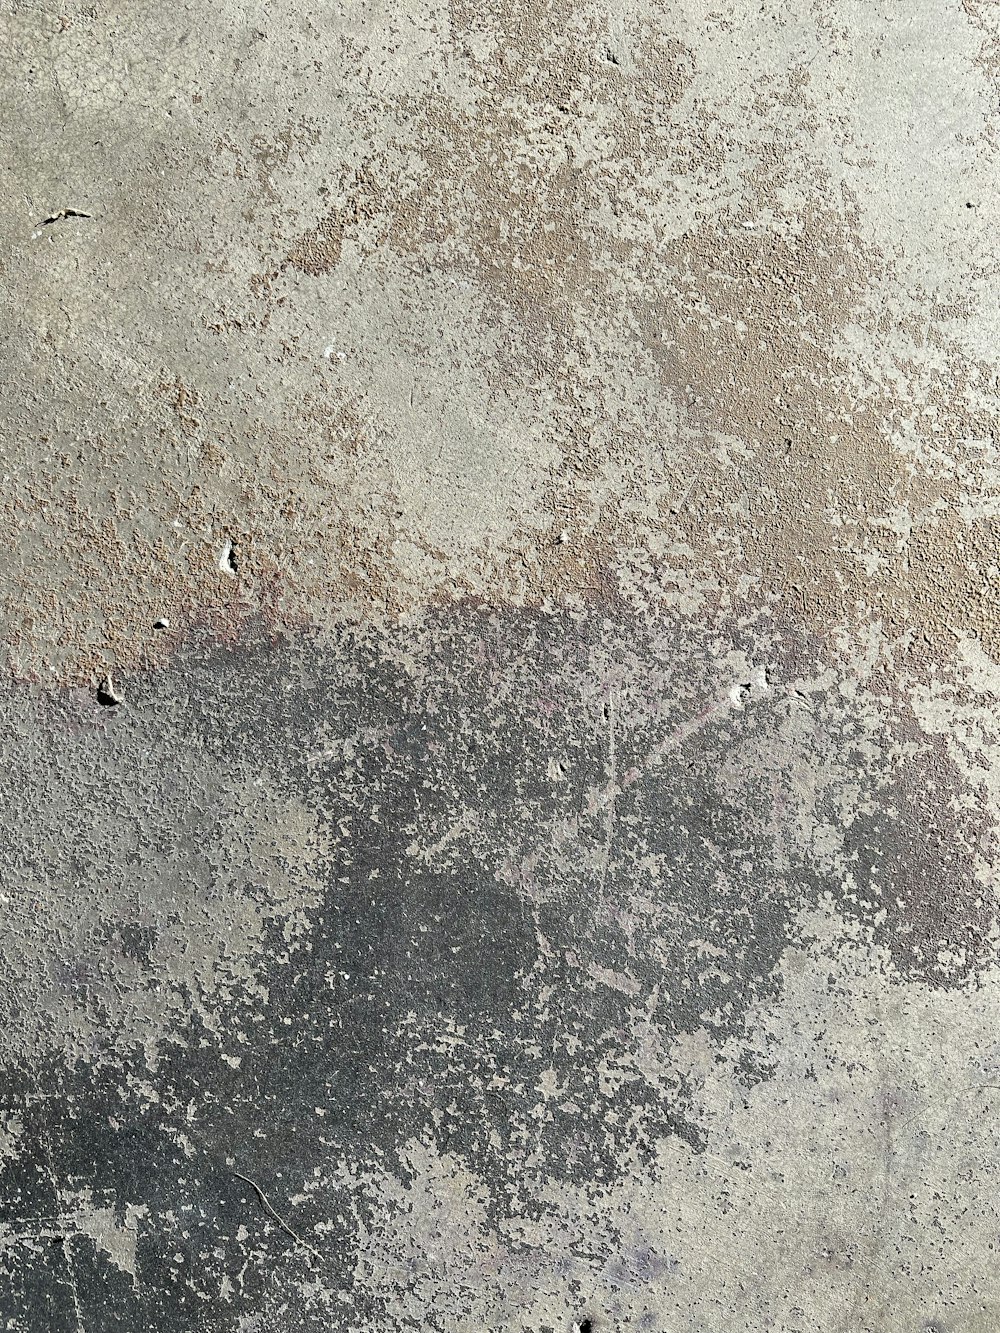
499	604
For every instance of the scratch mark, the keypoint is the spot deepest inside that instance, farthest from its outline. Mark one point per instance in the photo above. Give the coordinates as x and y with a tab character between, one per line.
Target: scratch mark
276	1217
61	216
63	1237
611	792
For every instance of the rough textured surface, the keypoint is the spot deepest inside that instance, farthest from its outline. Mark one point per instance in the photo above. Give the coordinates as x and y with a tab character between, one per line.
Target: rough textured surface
501	677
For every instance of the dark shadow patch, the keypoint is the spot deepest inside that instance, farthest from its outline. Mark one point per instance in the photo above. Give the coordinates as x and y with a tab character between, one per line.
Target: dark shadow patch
500	956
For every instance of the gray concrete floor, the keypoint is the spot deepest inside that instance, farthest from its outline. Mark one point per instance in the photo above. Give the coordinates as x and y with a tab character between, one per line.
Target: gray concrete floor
500	726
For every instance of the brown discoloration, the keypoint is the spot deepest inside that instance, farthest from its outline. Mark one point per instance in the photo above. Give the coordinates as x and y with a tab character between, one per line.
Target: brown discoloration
318	251
692	416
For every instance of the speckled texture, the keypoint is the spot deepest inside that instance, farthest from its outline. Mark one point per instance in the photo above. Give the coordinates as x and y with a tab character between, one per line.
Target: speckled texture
500	678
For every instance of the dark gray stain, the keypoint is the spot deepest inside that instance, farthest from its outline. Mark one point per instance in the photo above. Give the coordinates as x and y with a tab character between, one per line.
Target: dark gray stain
529	870
914	856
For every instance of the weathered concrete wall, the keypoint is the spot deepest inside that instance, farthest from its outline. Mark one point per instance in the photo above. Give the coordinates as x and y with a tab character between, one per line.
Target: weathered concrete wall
501	512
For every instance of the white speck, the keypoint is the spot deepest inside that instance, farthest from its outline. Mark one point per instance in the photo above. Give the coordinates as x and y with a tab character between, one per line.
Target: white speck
331	352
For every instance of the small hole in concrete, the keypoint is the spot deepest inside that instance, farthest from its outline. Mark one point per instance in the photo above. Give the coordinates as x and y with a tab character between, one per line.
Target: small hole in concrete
106	695
585	1326
161	622
227	561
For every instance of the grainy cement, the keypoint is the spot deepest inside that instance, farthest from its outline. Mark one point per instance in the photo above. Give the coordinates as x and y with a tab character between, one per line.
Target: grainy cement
501	668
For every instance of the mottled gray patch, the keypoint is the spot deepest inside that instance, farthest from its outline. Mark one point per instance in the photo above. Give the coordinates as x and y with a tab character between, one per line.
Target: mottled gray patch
536	859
